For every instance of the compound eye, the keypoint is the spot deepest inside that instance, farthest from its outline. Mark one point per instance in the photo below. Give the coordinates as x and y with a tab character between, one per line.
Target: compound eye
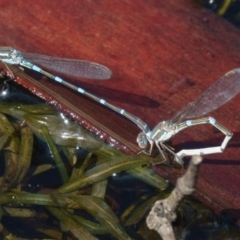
142	140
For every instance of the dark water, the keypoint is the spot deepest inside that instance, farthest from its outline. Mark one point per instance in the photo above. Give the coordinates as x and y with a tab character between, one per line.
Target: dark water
229	9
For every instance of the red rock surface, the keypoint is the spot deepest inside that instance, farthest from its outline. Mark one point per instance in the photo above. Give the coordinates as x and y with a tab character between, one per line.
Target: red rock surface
162	54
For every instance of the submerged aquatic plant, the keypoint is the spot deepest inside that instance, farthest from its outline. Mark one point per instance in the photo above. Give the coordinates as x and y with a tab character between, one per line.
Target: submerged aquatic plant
78	197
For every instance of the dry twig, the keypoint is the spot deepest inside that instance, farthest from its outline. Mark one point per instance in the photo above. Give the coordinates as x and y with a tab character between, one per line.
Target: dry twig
163	213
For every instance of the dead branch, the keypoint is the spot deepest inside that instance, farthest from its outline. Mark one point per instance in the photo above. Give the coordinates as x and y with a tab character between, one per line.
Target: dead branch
163	213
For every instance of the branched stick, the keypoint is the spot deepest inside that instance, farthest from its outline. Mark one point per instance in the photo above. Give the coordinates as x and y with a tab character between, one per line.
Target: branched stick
163	213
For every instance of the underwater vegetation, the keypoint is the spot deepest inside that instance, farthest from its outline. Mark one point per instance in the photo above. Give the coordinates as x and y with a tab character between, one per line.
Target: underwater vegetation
36	139
63	136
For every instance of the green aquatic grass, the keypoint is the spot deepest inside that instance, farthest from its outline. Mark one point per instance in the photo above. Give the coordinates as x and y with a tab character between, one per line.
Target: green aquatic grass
91	175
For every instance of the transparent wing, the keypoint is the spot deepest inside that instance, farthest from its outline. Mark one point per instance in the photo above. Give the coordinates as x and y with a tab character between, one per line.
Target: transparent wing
70	67
226	87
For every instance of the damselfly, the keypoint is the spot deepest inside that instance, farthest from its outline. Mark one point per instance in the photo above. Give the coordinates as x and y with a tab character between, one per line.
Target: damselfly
224	89
70	67
221	92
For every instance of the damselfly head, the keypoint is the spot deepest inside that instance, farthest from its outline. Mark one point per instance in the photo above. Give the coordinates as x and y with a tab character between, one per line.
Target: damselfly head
10	55
142	140
16	56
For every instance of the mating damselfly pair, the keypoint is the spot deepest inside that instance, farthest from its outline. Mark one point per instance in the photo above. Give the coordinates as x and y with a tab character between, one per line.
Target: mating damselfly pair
218	94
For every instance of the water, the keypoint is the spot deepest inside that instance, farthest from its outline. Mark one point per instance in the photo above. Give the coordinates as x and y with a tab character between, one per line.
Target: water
229	9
